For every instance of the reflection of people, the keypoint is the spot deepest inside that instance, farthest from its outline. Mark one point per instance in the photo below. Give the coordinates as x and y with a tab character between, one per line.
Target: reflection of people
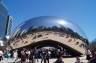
93	60
59	60
89	54
78	60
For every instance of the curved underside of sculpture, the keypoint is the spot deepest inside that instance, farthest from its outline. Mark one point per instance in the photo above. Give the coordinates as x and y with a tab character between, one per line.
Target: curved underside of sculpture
50	38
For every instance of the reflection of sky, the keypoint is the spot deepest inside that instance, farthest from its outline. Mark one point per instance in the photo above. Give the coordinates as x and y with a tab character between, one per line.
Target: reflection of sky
49	22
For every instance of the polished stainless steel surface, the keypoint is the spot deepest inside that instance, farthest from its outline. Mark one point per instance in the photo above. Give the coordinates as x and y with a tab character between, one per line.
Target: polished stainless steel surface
48	21
47	31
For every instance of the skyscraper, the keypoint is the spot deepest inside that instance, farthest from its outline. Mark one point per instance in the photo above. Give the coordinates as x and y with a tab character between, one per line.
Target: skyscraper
5	23
10	19
3	20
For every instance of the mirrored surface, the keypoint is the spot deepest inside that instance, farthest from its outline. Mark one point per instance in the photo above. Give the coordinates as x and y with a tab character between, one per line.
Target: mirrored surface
51	23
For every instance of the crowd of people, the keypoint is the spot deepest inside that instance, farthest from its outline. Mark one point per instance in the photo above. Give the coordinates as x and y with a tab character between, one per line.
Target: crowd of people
32	55
91	55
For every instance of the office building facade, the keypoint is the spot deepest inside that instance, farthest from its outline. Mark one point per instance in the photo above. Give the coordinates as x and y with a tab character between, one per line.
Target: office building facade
3	20
9	30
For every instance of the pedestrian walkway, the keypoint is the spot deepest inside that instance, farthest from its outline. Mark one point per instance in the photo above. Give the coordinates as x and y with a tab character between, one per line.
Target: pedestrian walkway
66	60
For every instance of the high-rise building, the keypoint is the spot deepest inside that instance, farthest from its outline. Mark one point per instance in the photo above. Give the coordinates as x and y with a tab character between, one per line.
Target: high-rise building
10	19
5	24
3	20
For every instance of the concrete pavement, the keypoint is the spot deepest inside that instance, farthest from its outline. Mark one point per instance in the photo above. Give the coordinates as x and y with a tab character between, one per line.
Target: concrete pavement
66	60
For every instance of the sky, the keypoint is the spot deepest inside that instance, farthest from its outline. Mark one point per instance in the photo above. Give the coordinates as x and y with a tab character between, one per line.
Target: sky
80	12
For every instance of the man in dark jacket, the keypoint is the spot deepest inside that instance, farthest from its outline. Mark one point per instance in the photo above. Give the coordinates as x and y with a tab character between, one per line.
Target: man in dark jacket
93	60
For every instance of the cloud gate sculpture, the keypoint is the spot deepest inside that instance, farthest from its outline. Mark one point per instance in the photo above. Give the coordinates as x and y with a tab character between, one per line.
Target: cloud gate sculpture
49	31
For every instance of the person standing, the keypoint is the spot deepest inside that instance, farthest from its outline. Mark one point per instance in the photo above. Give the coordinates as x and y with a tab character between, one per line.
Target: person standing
15	55
27	54
93	59
31	56
1	55
47	55
78	60
89	54
23	56
59	60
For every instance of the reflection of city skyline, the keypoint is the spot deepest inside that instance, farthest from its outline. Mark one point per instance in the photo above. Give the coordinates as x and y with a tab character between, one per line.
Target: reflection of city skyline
50	21
61	30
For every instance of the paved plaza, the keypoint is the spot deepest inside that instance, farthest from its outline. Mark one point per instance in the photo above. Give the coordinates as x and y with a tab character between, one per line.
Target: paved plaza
66	60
